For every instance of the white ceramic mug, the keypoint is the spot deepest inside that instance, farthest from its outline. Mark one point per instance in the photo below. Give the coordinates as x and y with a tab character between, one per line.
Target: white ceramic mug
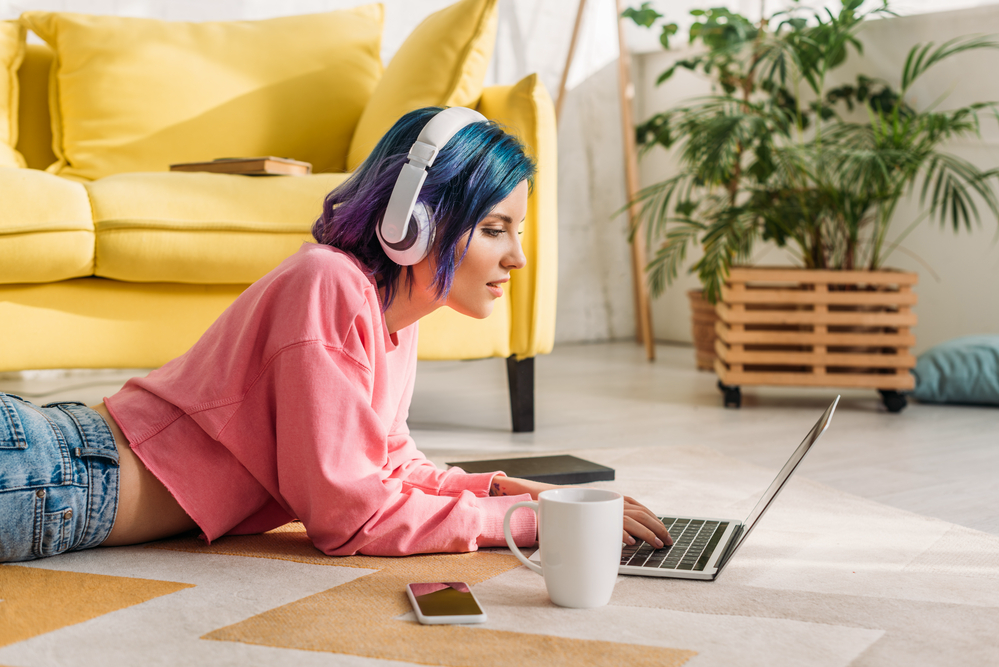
579	532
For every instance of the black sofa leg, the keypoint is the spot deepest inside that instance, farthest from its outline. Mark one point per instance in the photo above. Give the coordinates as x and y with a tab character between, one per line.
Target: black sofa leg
520	375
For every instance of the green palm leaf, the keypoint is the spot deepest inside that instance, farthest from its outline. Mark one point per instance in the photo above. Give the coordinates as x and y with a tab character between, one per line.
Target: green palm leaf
923	56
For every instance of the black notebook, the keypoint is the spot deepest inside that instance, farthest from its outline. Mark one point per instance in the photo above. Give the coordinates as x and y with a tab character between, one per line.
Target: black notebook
563	469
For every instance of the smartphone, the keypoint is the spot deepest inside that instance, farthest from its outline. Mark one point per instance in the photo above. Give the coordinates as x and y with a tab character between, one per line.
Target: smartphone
450	602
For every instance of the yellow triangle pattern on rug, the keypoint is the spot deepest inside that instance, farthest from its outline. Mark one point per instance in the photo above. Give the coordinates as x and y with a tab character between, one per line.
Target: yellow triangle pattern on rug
358	618
67	598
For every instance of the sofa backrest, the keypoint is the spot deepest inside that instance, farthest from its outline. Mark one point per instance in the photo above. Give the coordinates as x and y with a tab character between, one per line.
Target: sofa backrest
138	94
455	43
34	140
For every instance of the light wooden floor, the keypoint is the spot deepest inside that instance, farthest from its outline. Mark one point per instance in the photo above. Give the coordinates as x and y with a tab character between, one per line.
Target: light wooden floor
940	461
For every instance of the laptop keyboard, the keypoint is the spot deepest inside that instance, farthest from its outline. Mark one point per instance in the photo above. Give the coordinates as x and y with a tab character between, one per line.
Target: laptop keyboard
693	542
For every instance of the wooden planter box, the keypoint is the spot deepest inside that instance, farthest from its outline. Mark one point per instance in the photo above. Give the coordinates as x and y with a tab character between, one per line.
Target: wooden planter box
702	327
816	328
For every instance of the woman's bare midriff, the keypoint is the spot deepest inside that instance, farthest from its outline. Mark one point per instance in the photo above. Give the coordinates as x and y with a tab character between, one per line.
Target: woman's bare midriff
146	510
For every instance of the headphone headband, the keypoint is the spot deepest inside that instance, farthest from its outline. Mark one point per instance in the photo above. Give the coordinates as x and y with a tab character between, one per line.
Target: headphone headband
438	132
395	226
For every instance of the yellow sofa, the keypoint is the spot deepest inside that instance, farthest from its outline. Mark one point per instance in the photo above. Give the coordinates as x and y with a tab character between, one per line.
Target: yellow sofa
108	260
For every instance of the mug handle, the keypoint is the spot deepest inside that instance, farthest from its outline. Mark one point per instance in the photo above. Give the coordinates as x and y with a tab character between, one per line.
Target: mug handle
509	535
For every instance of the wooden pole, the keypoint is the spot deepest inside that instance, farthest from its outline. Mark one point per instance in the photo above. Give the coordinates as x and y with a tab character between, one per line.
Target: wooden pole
568	60
643	316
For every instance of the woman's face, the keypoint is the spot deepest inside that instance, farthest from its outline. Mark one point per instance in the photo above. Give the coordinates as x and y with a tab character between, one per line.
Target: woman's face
492	254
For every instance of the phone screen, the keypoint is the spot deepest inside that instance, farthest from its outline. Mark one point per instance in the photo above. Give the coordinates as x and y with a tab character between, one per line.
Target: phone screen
445	599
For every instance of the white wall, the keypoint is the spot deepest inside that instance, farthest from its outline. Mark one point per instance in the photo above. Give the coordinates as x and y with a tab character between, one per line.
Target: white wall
958	273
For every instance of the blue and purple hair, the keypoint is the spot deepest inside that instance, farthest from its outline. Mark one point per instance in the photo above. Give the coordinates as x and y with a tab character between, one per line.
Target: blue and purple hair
477	169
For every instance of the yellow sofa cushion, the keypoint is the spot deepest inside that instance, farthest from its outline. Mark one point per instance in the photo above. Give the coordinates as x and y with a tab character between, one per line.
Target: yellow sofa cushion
131	95
11	54
202	228
34	130
443	62
46	230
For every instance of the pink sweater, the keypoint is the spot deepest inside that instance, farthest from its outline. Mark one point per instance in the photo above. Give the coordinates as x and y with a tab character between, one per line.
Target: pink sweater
293	405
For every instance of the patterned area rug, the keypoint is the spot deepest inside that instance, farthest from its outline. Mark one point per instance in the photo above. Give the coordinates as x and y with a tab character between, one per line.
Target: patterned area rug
826	579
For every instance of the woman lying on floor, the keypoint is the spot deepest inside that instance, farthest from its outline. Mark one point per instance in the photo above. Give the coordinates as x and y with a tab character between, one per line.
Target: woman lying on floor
293	404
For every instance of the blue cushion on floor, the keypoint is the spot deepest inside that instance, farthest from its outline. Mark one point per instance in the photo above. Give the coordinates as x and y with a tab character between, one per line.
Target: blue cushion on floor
963	370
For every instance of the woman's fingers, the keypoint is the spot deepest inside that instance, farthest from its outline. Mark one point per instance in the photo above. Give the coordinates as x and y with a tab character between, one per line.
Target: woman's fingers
635	531
628	500
635	506
645	526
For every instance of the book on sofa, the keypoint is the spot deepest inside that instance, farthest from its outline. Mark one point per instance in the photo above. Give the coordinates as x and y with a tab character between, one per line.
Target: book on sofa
248	166
562	469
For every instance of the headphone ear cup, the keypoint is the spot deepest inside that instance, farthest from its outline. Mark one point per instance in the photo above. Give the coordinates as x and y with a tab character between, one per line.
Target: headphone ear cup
424	222
419	238
404	215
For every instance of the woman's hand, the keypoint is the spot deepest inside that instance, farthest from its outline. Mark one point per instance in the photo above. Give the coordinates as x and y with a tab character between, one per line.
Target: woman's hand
640	523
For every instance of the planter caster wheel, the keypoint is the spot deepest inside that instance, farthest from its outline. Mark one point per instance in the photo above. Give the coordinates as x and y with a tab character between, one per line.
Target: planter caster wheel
893	400
733	397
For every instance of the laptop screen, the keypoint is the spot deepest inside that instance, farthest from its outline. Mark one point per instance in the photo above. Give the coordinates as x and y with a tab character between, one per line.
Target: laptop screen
781	478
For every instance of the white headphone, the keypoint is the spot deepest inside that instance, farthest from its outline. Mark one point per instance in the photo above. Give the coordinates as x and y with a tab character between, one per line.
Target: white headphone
406	230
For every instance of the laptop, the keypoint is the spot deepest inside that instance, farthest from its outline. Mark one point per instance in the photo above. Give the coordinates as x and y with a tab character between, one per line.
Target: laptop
703	547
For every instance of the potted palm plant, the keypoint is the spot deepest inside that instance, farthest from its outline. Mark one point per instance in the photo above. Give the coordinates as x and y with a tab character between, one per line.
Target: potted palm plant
773	155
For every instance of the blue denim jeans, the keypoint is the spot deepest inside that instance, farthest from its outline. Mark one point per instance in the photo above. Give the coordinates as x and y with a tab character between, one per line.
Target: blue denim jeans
58	478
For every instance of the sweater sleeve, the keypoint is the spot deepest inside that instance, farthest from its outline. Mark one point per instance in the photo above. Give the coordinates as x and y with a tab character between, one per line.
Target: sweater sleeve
413	469
336	474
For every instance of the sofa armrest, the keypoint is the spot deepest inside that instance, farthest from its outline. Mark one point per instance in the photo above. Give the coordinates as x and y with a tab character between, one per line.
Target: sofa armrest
526	110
